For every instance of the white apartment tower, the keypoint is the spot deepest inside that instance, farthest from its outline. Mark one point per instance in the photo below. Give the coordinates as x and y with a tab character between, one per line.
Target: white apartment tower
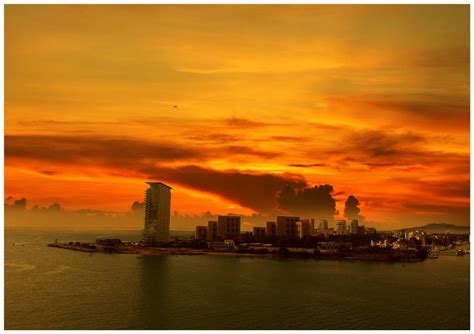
157	213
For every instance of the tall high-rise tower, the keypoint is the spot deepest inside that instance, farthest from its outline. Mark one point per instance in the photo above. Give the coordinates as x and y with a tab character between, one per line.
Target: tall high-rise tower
157	213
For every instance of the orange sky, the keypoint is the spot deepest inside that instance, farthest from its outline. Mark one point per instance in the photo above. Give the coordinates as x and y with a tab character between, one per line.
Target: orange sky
373	100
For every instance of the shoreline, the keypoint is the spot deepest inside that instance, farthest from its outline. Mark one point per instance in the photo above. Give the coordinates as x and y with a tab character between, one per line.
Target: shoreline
348	255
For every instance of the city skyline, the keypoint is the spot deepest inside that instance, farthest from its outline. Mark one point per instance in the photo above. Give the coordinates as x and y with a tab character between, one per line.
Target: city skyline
229	106
157	204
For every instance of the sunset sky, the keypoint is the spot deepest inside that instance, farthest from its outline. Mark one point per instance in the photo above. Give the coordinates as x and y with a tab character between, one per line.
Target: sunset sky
227	104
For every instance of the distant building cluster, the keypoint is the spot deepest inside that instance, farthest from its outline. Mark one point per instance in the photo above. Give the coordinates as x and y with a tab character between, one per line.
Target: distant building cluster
228	227
405	240
285	227
225	227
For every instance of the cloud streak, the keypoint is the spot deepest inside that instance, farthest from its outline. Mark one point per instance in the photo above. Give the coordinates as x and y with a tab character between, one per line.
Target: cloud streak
115	151
255	191
247	188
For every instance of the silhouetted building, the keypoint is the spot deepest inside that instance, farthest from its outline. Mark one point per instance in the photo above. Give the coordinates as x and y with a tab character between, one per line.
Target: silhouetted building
323	226
286	227
370	230
201	233
271	229
211	230
341	227
228	226
259	232
157	213
354	226
303	228
312	226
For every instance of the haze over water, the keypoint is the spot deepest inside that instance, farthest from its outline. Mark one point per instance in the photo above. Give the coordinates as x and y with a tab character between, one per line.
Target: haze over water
48	288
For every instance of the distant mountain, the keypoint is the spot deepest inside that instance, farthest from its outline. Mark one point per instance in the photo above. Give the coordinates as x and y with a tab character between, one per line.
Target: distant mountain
443	228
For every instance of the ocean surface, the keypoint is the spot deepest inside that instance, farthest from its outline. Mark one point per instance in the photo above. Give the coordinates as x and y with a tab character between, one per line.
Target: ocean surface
51	288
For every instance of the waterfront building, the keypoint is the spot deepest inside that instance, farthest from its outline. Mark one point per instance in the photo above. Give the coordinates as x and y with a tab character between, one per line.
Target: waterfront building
303	228
228	226
271	229
217	245
380	243
341	227
286	227
406	234
323	226
419	236
211	230
201	233
157	213
400	245
259	232
370	230
354	226
361	229
229	243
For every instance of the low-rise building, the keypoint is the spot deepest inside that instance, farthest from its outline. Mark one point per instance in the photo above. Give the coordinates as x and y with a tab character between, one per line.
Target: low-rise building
201	233
271	230
379	243
259	232
370	230
400	245
228	226
212	230
286	227
229	243
303	228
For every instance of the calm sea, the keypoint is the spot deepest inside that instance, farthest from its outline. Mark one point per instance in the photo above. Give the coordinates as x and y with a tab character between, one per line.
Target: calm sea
50	288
